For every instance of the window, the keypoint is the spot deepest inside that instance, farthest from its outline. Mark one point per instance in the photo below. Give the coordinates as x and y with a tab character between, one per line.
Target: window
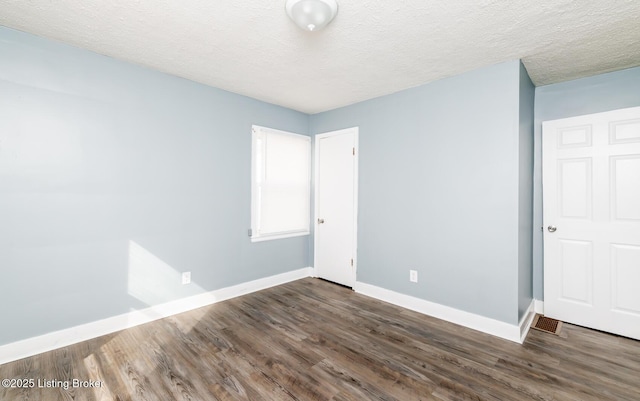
280	184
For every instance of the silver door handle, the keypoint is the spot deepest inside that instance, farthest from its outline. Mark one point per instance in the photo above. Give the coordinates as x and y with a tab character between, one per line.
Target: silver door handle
552	229
320	221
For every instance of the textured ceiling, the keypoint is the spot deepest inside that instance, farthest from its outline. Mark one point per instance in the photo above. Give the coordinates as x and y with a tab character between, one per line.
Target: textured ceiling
372	48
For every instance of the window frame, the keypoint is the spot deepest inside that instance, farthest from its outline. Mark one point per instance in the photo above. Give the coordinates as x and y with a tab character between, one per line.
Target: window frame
258	156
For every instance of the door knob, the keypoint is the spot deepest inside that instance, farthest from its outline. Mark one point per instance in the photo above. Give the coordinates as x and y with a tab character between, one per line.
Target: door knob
552	229
320	221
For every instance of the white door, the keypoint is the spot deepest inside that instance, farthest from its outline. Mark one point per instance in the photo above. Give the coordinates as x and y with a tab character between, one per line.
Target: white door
591	186
336	205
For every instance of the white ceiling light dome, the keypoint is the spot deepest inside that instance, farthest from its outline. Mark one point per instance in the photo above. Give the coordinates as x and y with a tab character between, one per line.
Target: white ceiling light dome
311	15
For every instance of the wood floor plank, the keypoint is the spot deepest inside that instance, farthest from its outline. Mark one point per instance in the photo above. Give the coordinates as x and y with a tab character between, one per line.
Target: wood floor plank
312	340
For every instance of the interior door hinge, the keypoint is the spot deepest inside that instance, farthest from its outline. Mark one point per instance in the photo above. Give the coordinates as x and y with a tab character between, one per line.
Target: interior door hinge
351	262
353	151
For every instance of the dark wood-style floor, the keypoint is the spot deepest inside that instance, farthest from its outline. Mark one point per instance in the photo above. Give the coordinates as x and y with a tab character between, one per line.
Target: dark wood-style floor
312	340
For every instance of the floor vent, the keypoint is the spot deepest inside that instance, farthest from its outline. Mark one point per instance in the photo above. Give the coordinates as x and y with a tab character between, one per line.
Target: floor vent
546	324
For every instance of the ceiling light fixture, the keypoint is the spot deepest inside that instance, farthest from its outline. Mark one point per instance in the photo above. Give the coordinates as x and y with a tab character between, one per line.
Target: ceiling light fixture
311	15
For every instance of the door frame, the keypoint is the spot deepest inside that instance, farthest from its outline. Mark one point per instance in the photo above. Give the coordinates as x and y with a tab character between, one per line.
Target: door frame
316	159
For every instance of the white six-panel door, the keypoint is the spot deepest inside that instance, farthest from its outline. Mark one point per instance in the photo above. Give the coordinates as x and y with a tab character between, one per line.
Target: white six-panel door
336	205
591	191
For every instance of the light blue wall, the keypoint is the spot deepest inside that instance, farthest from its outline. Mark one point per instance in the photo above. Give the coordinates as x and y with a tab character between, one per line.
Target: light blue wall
525	193
439	189
615	90
107	167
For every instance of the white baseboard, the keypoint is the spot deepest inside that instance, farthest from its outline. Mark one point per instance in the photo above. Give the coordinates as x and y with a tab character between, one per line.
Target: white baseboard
539	306
58	339
527	319
512	332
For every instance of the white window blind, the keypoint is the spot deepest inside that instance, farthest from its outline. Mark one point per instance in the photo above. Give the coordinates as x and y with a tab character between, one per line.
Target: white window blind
280	184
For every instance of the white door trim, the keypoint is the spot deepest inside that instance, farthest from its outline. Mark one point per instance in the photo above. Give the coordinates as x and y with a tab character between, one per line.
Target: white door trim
317	137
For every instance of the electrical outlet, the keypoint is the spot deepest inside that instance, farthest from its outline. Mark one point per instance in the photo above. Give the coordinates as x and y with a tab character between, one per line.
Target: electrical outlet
186	277
413	276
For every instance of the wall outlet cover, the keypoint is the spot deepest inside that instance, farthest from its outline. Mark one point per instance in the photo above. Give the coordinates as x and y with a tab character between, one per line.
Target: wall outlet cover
186	277
413	276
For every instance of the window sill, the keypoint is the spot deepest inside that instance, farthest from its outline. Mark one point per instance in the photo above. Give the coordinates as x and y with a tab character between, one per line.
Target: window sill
279	236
